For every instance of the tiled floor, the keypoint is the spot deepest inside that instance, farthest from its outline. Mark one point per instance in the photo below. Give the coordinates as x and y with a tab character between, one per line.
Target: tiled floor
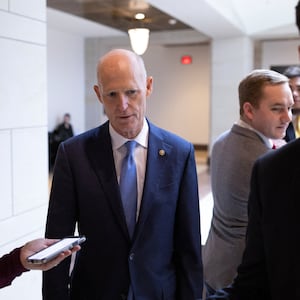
203	172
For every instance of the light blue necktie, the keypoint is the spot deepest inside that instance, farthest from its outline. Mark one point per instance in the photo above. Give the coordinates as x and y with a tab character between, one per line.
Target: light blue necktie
128	186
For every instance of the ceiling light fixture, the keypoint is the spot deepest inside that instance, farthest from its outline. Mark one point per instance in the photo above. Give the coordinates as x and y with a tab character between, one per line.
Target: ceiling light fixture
139	39
172	21
139	16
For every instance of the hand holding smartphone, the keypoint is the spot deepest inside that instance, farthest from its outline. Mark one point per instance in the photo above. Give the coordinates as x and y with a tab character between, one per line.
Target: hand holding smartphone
54	250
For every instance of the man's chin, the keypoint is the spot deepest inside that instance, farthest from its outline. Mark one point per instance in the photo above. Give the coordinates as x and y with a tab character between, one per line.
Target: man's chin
128	133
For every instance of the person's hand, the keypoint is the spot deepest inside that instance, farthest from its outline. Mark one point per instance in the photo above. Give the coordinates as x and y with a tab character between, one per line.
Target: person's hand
37	245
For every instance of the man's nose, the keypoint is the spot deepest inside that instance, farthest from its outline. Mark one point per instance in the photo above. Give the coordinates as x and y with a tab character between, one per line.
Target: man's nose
123	101
295	93
287	115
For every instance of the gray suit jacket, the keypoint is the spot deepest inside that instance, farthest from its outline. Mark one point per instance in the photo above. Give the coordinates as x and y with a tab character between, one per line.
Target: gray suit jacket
232	159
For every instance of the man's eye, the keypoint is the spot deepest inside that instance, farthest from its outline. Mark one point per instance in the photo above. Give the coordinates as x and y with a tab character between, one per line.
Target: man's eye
111	94
276	108
131	92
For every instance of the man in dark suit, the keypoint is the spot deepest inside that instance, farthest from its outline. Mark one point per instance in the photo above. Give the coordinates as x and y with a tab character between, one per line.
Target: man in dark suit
271	261
293	73
162	260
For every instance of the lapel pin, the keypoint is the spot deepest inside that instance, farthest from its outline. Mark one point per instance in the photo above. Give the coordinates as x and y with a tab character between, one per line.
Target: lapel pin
162	152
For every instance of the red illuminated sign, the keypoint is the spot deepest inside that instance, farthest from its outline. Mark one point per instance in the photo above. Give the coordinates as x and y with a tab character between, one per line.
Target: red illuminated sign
186	59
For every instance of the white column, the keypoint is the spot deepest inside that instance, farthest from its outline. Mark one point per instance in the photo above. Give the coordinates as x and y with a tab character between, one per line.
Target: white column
23	134
232	59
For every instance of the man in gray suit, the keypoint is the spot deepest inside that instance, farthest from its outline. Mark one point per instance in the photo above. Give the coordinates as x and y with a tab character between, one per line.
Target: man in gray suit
265	112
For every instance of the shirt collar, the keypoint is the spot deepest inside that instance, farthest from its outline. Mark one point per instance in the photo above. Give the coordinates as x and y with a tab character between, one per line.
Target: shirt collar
268	142
118	140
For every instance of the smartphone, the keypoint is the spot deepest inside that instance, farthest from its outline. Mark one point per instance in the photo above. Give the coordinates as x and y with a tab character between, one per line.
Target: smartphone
55	249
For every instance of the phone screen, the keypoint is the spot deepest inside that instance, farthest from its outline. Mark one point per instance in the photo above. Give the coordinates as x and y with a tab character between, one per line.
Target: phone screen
54	250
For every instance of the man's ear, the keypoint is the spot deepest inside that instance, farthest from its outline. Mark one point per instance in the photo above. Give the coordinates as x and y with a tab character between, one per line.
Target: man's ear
248	110
97	91
149	86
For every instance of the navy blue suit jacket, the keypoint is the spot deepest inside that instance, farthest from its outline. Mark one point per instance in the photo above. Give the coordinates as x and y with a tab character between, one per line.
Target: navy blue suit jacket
163	260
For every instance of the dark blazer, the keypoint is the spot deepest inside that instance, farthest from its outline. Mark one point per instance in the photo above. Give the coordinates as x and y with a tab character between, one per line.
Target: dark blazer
164	257
290	133
271	261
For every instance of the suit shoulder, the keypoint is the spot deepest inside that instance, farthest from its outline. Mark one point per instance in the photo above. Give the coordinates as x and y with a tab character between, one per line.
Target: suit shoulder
168	136
92	134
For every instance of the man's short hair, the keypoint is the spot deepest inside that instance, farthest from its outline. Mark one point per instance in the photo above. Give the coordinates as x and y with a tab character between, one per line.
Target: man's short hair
251	87
292	71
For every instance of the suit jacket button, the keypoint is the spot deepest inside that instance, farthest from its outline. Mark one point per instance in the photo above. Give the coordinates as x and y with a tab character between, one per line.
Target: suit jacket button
131	256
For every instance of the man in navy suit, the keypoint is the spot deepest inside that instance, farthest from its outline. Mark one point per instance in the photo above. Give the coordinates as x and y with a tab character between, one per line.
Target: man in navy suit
163	258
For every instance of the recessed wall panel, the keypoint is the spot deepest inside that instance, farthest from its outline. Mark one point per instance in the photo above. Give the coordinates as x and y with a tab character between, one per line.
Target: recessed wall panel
30	168
23	99
5	175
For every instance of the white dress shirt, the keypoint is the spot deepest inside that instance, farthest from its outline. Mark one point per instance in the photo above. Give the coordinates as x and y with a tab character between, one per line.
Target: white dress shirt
140	157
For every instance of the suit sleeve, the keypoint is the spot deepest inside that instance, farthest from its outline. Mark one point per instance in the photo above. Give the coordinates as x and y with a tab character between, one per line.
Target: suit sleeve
188	236
61	221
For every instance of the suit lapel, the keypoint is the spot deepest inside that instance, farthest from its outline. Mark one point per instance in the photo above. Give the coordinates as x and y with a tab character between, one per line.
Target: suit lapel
99	152
157	157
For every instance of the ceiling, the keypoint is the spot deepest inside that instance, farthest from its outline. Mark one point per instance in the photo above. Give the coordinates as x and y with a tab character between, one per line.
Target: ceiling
119	14
205	19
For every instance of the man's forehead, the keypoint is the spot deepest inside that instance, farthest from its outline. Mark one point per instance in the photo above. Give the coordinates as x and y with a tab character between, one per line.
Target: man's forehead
295	81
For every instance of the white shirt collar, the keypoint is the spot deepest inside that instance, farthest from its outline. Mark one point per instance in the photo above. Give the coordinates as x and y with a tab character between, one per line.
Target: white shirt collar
118	140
